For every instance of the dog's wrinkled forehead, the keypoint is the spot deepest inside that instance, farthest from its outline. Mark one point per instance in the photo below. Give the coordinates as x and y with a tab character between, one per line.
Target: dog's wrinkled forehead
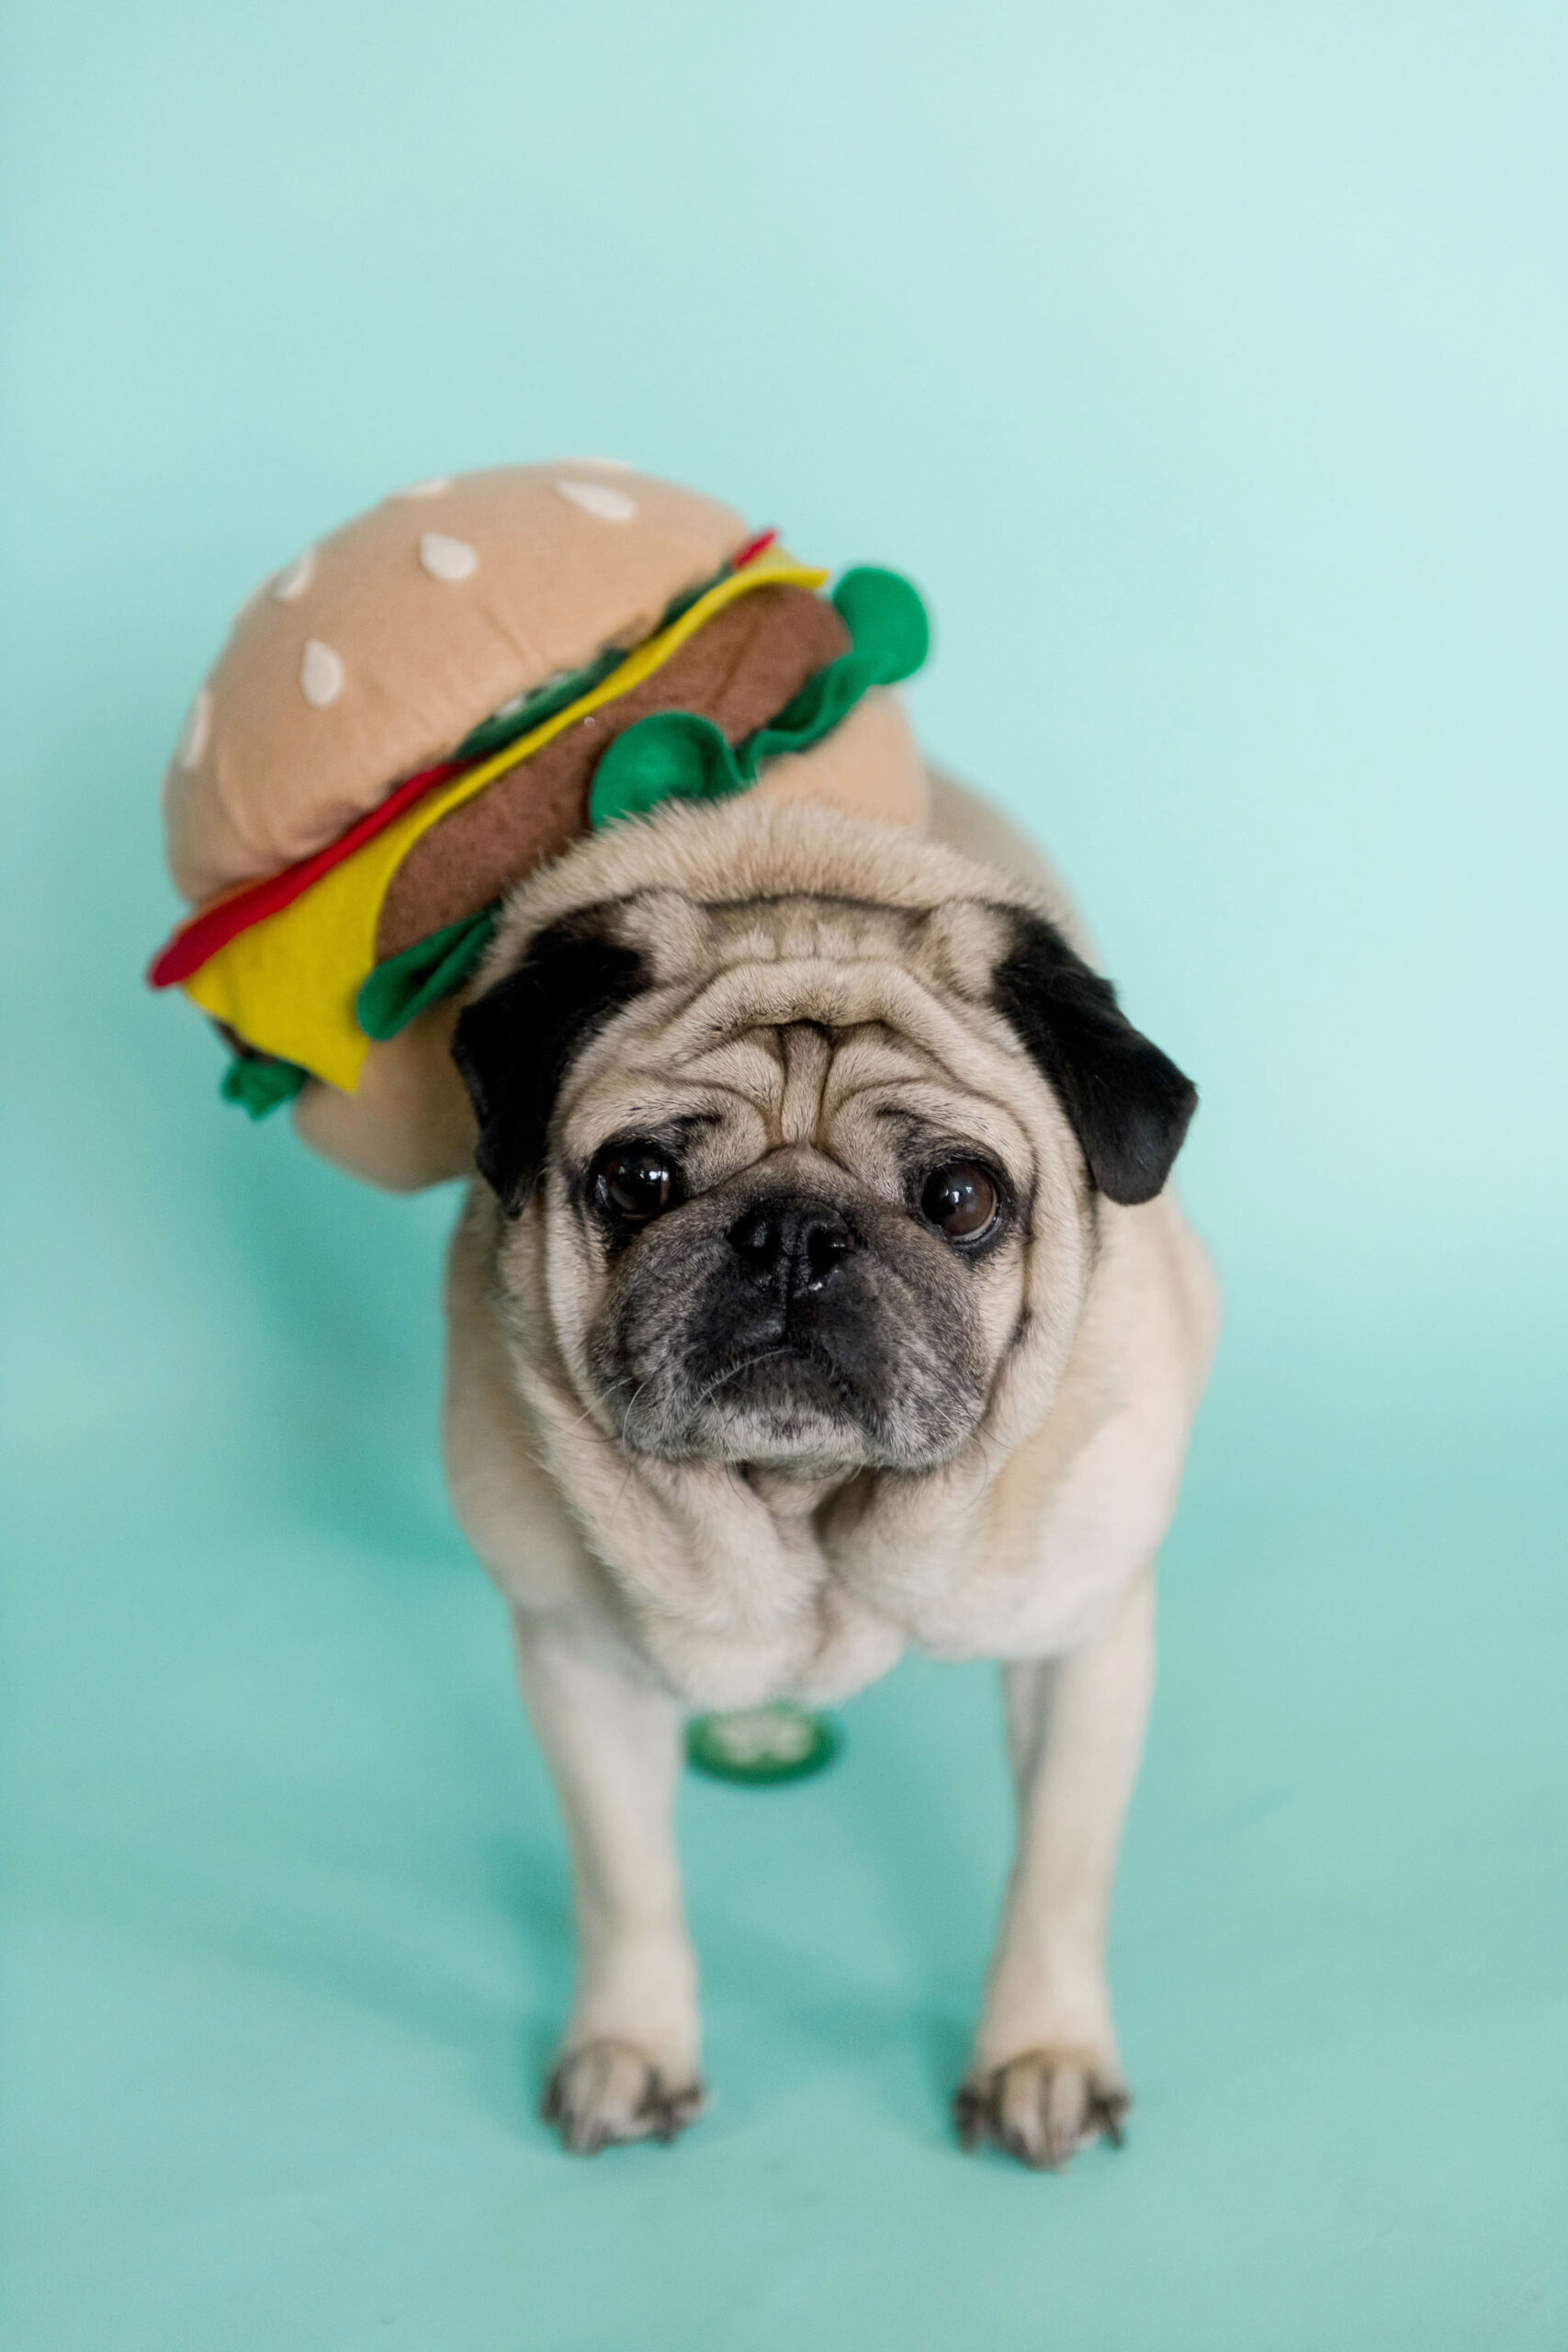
975	983
952	948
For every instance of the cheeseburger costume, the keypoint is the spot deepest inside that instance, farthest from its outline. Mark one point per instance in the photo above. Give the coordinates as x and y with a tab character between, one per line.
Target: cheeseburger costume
447	692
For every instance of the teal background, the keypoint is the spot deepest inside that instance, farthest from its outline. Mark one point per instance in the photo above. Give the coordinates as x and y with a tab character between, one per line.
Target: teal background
1208	366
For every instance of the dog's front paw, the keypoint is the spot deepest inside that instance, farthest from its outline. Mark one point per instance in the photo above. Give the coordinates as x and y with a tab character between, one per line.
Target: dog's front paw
609	2091
1042	2106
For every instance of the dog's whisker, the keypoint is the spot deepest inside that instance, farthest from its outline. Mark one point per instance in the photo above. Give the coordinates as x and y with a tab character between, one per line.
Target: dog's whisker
733	1372
603	1398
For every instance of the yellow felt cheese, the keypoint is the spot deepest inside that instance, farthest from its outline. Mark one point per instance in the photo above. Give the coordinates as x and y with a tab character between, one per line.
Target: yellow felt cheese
287	985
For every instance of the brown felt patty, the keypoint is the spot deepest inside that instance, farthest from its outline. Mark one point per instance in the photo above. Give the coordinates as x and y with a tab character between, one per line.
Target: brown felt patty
739	671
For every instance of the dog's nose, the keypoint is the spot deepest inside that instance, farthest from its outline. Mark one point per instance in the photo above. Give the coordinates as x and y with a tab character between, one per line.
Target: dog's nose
791	1247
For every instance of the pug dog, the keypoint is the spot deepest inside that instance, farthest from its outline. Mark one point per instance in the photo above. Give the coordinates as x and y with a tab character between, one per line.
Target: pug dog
822	1295
820	1291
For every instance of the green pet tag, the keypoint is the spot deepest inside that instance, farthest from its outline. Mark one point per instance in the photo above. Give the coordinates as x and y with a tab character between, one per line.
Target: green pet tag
781	1742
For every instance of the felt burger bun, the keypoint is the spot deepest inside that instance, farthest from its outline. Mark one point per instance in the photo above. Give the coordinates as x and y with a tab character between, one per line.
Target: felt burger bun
419	709
375	651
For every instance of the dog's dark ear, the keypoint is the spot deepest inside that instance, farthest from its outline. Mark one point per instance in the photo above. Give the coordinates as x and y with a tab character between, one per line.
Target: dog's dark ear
514	1044
1128	1104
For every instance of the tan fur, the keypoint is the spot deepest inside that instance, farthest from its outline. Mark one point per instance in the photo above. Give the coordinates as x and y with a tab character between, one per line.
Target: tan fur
696	1584
643	1587
1109	1382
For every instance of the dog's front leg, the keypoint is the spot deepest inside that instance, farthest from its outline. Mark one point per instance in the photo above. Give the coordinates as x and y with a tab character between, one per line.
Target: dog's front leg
1046	2076
627	2068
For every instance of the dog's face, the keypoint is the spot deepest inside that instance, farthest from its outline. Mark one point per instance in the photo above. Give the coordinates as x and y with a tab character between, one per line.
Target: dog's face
803	1180
804	1246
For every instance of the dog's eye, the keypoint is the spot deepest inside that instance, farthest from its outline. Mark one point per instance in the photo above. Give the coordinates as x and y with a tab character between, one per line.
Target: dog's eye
637	1181
960	1200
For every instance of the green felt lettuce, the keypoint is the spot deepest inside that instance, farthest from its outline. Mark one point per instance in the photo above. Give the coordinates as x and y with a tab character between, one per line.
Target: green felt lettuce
533	709
423	973
259	1082
675	755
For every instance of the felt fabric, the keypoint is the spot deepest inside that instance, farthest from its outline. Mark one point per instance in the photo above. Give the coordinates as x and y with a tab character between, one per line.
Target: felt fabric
216	924
755	658
681	754
543	702
418	976
522	712
196	941
867	764
259	1083
287	985
408	1122
870	765
420	649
